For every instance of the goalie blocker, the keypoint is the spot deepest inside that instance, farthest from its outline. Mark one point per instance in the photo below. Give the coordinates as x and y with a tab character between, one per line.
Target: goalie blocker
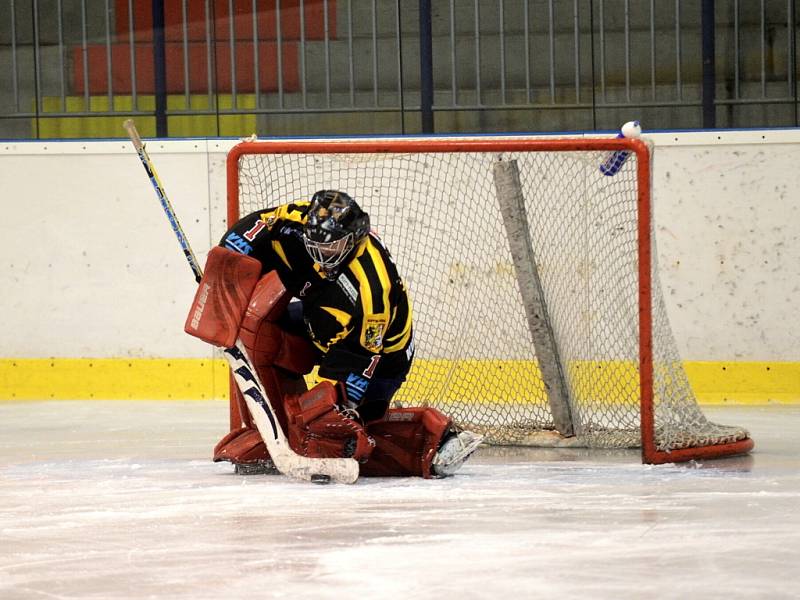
402	442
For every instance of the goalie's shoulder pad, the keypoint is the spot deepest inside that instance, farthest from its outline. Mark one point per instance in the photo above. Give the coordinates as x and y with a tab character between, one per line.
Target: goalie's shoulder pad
293	212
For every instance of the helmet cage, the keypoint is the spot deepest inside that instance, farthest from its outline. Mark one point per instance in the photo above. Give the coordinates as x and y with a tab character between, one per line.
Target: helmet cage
328	255
334	225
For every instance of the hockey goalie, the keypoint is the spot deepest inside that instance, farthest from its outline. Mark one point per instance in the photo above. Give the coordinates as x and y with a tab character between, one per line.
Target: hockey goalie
309	284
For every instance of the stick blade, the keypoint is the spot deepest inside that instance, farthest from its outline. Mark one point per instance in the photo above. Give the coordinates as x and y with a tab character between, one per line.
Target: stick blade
337	470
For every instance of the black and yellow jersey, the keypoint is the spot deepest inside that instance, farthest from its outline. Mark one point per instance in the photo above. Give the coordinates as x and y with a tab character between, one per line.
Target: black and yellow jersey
359	316
274	236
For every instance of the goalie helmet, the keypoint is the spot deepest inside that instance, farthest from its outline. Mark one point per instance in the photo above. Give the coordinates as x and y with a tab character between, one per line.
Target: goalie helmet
334	225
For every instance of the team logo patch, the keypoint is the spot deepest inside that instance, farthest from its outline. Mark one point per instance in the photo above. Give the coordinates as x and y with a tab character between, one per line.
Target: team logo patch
373	335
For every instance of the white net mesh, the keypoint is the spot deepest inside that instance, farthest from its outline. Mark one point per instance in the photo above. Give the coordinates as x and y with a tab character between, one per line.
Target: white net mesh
438	214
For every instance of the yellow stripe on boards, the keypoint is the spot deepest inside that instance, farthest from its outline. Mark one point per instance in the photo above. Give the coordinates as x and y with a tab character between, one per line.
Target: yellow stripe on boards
443	380
745	382
113	379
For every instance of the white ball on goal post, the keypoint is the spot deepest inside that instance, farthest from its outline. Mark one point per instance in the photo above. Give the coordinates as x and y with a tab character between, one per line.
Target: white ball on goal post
631	129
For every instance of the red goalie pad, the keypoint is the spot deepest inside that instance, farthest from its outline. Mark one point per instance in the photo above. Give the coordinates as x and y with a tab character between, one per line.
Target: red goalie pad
406	441
241	446
280	358
222	297
267	344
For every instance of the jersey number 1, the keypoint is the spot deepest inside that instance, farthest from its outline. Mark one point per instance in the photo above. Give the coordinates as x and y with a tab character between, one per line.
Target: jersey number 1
373	364
251	233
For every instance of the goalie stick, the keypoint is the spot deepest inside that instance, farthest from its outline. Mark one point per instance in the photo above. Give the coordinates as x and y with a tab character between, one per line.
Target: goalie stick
162	197
288	462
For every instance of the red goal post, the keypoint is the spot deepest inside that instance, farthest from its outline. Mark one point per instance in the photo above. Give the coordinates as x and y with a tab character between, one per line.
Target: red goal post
546	188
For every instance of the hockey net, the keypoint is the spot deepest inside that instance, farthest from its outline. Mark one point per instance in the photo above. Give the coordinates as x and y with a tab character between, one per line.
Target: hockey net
538	317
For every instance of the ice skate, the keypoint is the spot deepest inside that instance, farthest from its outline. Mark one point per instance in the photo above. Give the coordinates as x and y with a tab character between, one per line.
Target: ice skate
456	448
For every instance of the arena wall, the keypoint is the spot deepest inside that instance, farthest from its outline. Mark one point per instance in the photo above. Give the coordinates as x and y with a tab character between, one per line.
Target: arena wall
95	287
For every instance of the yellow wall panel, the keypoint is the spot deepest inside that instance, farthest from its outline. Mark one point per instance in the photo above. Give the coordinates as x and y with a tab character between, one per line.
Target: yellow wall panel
188	378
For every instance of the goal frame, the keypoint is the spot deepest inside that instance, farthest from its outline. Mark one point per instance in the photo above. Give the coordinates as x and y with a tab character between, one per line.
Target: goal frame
649	452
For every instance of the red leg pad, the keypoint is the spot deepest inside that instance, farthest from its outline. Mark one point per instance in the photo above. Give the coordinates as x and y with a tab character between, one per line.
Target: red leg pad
244	444
278	384
241	446
222	297
268	346
406	440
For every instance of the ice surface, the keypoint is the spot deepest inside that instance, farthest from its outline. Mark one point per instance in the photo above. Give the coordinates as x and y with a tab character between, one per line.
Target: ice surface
114	500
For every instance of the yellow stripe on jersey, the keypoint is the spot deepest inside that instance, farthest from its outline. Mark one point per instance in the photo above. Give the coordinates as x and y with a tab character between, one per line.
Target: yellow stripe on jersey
319	270
383	277
374	291
399	341
342	317
278	248
361	248
288	212
363	284
339	336
364	294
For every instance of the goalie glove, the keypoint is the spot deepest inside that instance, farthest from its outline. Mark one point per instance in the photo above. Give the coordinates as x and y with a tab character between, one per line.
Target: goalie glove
319	428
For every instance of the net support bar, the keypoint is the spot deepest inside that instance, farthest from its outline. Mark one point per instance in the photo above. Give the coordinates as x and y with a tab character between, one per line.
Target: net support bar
512	206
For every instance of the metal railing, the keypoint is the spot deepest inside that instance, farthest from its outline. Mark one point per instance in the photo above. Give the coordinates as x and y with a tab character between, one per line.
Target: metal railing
568	64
